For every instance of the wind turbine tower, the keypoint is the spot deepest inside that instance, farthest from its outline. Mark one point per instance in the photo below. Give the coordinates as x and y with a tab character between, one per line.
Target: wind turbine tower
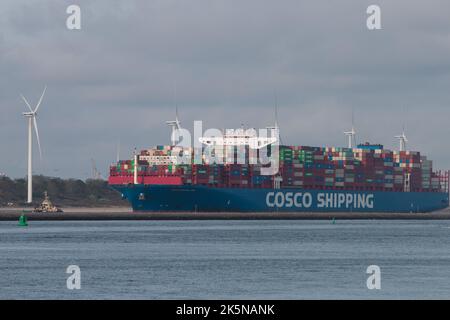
275	130
31	115
351	134
96	175
403	140
175	125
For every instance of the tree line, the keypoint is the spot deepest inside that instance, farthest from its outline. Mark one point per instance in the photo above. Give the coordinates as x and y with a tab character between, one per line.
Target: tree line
62	192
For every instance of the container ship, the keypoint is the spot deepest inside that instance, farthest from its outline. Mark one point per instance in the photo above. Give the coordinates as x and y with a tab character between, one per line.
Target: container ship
364	178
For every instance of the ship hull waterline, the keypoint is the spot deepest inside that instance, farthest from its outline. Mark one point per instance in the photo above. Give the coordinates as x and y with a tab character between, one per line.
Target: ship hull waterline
196	198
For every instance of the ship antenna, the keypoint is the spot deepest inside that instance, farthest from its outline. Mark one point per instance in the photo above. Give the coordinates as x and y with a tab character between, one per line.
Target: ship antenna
118	150
176	98
276	110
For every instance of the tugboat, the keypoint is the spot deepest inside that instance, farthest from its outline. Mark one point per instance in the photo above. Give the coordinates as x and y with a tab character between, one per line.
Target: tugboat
47	205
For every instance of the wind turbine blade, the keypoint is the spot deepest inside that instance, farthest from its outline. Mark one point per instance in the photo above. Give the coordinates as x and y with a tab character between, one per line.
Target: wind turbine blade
26	102
175	94
177	120
276	108
353	117
40	100
37	136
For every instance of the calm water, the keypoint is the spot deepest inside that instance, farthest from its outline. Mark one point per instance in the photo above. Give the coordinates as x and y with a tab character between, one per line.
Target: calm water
225	259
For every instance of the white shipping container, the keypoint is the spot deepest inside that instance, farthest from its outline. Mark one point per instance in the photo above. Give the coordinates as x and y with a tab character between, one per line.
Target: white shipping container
298	174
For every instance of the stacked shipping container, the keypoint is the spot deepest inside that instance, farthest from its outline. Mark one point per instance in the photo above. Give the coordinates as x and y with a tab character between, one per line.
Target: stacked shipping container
367	167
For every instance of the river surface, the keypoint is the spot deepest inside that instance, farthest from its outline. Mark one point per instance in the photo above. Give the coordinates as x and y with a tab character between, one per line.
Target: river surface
225	259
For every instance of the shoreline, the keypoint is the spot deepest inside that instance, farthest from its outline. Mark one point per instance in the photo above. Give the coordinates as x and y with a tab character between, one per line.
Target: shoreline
124	213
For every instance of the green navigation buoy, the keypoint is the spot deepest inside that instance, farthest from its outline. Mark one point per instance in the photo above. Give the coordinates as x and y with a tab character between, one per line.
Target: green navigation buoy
23	221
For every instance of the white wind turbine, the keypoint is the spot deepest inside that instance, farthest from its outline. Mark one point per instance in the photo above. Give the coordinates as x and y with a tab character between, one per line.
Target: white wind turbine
32	123
351	134
175	125
403	140
275	130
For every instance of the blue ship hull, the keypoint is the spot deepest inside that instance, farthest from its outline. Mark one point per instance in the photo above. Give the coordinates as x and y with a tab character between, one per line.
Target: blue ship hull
160	198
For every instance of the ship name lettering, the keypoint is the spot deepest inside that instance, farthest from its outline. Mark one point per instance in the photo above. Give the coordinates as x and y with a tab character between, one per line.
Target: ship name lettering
345	200
289	199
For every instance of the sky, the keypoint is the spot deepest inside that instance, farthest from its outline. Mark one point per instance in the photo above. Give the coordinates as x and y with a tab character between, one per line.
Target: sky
120	77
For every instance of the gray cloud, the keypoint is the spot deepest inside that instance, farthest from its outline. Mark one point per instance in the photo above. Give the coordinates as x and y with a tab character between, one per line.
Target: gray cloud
115	78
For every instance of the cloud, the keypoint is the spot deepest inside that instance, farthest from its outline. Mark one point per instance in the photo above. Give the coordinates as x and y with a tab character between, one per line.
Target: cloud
115	79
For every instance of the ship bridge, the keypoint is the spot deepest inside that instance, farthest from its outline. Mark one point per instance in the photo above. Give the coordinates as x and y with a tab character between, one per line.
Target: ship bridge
239	138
